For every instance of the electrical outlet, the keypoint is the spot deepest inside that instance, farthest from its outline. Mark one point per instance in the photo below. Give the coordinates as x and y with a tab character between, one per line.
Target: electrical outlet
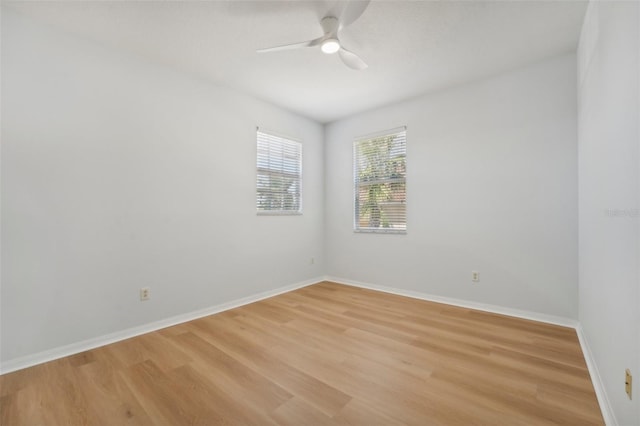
145	293
627	382
475	276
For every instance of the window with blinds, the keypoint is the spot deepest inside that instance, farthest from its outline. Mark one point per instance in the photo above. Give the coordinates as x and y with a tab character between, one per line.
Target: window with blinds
380	182
279	175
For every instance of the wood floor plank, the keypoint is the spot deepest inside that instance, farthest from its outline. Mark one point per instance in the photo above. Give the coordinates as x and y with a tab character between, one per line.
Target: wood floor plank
240	346
241	382
204	390
110	398
326	354
297	412
358	412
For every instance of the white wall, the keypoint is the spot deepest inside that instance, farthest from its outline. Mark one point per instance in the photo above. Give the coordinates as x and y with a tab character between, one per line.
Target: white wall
609	167
492	187
119	174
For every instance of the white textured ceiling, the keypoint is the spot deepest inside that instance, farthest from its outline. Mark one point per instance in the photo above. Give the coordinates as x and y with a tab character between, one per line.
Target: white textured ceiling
412	47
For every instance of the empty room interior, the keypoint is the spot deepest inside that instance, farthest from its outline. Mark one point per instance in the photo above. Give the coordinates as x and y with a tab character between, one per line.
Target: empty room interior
320	212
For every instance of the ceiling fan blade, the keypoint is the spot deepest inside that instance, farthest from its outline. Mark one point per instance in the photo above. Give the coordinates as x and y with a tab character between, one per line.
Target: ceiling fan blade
309	43
352	60
352	11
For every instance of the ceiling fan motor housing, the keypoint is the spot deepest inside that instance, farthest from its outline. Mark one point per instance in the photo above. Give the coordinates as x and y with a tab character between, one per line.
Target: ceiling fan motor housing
330	25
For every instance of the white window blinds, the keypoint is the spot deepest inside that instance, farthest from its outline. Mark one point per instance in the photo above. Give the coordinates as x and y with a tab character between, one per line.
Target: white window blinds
380	182
279	175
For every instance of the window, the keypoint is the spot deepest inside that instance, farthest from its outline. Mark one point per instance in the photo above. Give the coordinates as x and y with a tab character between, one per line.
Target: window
380	182
279	175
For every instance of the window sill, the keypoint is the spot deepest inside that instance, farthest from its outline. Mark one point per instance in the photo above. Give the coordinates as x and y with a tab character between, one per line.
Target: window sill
380	231
276	213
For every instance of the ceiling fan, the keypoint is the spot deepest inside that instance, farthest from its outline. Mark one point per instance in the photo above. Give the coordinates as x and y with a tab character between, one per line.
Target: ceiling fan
330	43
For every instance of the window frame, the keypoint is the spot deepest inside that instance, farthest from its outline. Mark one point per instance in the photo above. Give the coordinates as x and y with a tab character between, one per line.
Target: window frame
289	140
356	184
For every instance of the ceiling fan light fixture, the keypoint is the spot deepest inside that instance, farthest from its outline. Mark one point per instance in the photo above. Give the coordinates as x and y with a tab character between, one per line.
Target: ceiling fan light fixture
329	42
330	45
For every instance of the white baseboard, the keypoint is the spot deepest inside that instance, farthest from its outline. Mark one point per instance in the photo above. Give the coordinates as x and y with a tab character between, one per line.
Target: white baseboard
596	379
95	342
534	316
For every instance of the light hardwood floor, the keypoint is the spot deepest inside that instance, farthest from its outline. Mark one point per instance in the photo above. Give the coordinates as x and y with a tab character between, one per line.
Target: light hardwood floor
326	354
